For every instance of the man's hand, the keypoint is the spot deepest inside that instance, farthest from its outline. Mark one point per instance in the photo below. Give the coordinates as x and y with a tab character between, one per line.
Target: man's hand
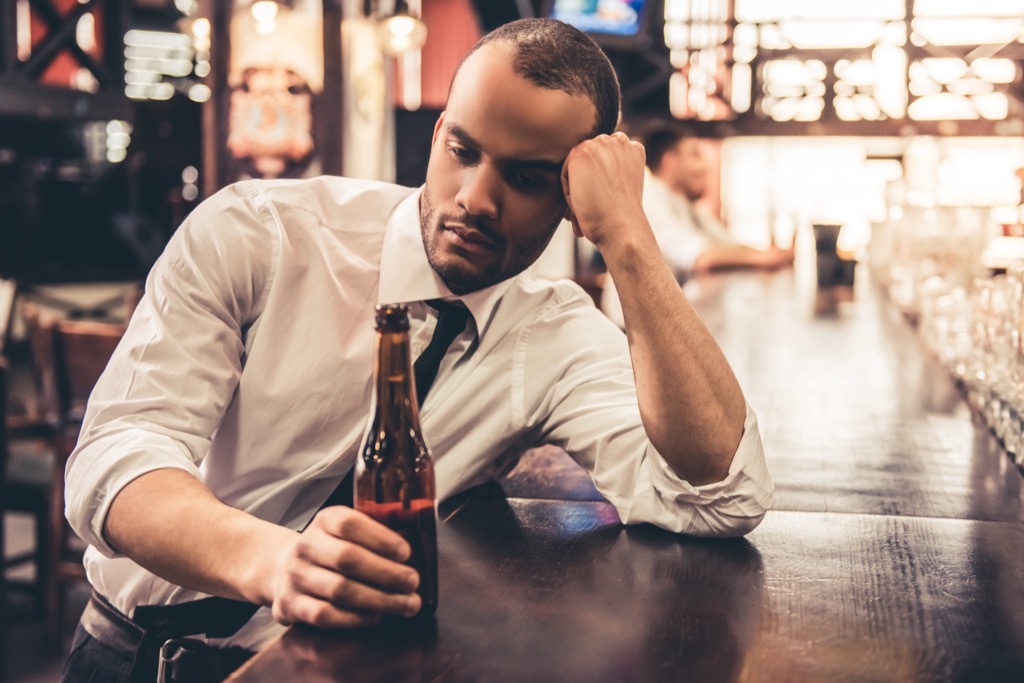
603	180
344	571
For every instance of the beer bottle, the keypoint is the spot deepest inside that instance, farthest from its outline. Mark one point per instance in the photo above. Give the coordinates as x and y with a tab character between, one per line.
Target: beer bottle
394	477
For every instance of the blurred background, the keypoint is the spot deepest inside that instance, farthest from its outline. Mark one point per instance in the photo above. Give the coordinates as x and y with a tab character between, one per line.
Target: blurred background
900	121
116	118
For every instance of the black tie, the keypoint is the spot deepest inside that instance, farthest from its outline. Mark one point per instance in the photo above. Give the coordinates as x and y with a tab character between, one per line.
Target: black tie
451	321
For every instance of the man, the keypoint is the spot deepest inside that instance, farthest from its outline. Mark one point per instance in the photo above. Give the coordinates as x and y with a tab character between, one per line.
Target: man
692	239
237	400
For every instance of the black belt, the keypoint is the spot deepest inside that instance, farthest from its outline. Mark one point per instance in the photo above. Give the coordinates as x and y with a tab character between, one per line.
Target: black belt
158	654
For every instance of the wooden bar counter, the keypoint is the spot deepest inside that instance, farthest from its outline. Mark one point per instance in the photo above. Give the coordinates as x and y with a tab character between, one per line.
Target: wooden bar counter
895	550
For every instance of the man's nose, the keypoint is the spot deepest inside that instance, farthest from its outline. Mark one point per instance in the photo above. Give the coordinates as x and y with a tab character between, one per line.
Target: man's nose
480	192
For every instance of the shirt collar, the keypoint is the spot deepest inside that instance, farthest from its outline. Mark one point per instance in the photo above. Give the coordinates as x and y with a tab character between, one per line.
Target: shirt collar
406	275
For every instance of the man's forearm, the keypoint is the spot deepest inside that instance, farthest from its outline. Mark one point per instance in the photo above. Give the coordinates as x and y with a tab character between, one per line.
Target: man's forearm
691	404
171	524
722	256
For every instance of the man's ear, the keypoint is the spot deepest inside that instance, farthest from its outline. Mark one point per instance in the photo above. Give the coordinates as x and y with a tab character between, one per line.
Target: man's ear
437	128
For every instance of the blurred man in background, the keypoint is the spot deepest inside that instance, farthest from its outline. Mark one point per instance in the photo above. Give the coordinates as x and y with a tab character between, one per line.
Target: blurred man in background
692	239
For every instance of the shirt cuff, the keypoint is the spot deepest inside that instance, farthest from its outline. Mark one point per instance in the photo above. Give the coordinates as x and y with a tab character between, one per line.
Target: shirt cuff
732	506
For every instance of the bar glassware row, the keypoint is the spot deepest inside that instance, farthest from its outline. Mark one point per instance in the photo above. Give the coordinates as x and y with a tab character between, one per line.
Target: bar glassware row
970	318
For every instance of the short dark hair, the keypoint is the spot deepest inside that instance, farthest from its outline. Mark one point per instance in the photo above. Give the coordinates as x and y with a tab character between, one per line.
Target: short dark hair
659	138
554	55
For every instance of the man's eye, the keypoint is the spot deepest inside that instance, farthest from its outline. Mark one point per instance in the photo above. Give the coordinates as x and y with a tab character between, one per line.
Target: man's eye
528	181
460	153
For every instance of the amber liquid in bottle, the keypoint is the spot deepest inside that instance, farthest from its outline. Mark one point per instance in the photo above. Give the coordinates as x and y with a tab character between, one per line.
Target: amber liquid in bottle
394	480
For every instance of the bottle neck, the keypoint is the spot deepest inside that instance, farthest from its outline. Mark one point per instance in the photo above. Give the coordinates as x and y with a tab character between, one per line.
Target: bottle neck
395	390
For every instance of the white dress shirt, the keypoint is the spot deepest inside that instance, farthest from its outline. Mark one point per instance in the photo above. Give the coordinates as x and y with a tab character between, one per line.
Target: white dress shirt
249	359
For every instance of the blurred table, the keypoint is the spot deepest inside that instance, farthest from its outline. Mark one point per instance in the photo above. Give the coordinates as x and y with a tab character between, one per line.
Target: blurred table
895	551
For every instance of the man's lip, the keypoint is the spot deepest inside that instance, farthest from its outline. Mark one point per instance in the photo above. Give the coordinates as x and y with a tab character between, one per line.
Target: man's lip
471	235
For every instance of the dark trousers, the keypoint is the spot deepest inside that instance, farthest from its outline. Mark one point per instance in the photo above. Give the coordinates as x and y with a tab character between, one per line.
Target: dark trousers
90	661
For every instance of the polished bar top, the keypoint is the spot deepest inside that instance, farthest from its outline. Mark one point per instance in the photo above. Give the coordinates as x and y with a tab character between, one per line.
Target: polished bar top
895	551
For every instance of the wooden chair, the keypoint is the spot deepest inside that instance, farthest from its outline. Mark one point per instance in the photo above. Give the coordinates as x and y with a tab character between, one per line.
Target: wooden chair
81	350
32	441
36	413
69	357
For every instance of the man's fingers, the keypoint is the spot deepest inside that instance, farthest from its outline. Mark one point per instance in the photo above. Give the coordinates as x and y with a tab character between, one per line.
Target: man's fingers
310	610
359	563
352	525
347	593
344	571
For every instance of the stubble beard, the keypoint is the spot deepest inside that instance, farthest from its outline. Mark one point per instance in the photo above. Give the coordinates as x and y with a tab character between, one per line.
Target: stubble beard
461	280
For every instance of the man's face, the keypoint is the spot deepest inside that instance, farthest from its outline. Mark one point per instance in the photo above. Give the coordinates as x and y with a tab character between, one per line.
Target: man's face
689	172
493	195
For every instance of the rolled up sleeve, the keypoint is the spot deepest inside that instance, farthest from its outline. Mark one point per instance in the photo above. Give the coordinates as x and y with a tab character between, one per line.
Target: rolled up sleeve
730	507
166	387
591	411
